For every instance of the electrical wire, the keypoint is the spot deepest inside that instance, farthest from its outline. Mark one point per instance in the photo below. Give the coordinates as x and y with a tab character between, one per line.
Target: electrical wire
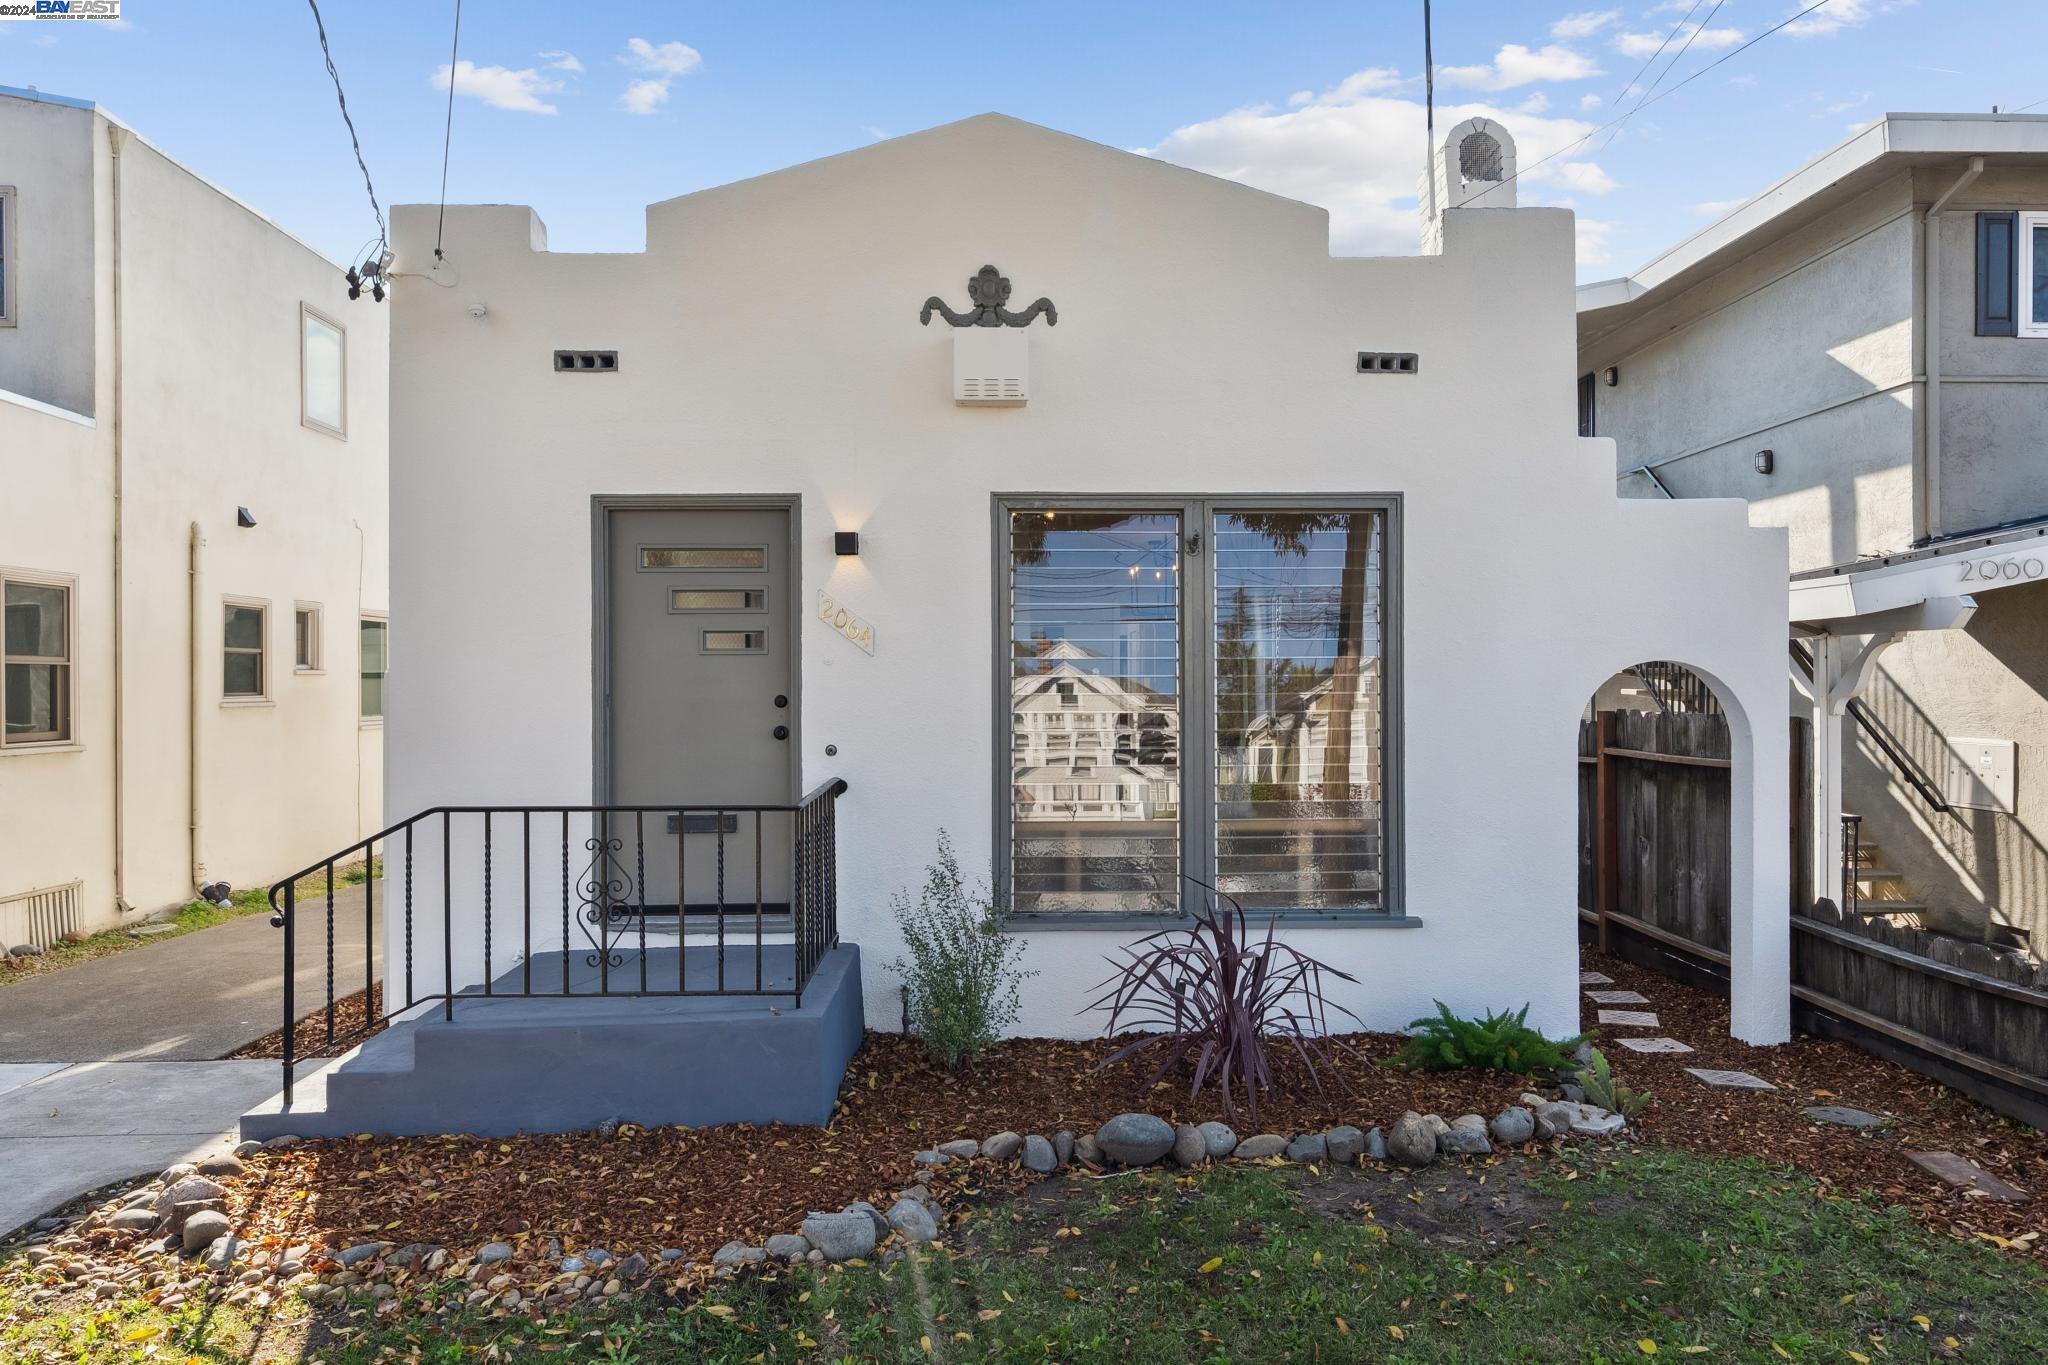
1669	66
448	130
383	238
1622	94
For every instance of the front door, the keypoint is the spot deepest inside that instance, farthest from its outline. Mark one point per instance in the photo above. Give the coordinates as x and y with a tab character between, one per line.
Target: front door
703	706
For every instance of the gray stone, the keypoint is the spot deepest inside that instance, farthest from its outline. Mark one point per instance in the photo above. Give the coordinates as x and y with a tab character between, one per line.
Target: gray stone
788	1246
361	1251
841	1236
1039	1156
186	1196
1344	1143
572	1265
1260	1146
1513	1126
1135	1139
598	1257
133	1220
1190	1148
935	1158
671	1253
1843	1116
1003	1146
1627	1019
1470	1122
1617	997
282	1141
222	1253
961	1149
918	1192
1063	1146
913	1222
1580	1120
171	1175
738	1253
634	1267
1375	1146
1653	1045
1436	1125
248	1149
409	1255
226	1163
1573	1092
1309	1147
874	1216
1412	1141
493	1252
1728	1080
1966	1174
1217	1139
203	1228
26	950
1464	1142
1545	1129
1087	1149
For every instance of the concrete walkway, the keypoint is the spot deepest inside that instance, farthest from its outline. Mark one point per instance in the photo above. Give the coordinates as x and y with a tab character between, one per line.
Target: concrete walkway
68	1129
195	997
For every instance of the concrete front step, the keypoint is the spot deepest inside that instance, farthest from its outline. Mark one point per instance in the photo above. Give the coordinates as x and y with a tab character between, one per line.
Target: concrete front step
568	1063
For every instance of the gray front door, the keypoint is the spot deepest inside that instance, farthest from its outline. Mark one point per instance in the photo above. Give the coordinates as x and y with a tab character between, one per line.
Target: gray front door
703	700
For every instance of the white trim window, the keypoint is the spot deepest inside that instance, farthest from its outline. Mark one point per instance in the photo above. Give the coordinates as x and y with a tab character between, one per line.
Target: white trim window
245	650
7	256
306	642
2033	281
36	684
323	372
374	656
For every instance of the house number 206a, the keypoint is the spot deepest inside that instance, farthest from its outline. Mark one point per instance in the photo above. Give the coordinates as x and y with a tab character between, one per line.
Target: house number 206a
2002	570
835	615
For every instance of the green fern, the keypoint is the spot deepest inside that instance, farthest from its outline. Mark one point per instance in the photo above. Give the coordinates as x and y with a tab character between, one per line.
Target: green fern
1493	1042
1597	1080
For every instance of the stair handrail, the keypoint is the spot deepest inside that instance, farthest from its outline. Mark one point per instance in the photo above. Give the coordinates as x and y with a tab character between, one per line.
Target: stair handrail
1887	743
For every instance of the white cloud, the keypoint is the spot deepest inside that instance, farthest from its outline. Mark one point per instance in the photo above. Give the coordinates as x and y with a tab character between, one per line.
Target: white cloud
1299	98
662	59
1590	102
1356	150
1535	104
1714	208
559	60
499	87
644	96
1584	24
1592	235
664	62
1517	65
1844	106
1832	18
1743	82
1583	175
1643	44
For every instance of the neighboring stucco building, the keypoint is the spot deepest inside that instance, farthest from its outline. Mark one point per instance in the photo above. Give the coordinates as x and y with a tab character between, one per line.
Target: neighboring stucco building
184	696
1880	390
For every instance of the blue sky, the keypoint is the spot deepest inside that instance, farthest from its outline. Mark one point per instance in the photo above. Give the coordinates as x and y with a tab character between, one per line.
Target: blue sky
590	112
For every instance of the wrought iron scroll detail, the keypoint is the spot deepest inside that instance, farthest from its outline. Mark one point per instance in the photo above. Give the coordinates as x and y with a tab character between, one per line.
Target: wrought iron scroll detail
604	894
987	294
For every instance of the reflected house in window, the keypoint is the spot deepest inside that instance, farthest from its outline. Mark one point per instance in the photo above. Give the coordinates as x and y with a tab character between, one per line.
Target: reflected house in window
1089	746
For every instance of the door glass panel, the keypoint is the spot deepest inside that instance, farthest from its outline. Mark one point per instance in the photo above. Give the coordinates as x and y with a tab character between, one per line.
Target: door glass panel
735	641
753	557
1095	710
717	599
1298	709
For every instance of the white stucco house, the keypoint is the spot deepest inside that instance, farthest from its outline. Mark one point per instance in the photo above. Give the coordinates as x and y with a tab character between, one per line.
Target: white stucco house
192	533
1209	566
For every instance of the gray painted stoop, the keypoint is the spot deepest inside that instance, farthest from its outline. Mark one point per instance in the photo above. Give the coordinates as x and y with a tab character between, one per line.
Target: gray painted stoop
568	1064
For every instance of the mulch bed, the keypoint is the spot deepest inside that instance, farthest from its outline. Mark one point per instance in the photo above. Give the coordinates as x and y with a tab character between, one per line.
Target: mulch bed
309	1036
695	1189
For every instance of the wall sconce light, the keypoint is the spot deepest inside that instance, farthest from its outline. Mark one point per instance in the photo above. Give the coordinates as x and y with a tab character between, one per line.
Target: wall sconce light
1611	375
1766	461
243	519
846	542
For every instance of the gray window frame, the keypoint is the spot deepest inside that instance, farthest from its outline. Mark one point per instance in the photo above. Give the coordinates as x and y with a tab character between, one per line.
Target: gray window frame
1198	512
10	249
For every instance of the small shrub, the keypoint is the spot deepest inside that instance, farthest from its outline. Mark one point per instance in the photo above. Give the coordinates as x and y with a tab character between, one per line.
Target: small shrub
1216	997
1597	1080
960	969
1495	1042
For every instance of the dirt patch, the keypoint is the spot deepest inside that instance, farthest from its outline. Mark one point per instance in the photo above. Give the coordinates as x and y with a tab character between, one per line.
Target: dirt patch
354	1020
1475	1210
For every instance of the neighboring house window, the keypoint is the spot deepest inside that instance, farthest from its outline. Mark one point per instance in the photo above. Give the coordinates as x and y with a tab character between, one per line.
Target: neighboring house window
2033	274
376	650
323	372
35	680
306	637
1587	388
243	673
1253	676
6	256
2012	274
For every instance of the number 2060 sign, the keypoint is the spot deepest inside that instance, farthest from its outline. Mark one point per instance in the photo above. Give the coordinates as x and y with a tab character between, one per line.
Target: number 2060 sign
2009	570
846	623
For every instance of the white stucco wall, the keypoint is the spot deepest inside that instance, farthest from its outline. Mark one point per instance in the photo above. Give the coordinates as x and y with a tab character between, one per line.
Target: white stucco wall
46	157
769	344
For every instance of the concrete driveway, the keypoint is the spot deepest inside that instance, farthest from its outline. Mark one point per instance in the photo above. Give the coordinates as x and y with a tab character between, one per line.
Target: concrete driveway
195	997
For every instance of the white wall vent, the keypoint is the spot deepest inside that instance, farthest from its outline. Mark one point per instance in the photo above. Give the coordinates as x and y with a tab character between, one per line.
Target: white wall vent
41	917
1388	362
991	367
587	362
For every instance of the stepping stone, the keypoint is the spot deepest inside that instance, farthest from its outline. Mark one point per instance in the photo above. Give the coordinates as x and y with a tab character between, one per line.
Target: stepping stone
1654	1045
1629	1018
1966	1174
1729	1080
1595	979
1617	998
1843	1116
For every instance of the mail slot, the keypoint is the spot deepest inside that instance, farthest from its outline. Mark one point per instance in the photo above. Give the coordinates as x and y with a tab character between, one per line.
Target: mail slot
723	822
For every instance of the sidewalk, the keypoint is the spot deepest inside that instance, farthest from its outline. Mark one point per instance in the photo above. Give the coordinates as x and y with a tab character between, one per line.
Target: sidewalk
196	997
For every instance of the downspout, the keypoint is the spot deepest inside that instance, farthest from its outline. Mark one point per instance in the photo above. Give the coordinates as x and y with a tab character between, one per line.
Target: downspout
194	728
1930	326
115	135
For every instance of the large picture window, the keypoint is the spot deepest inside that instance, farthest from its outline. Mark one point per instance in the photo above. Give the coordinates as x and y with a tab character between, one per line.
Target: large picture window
1196	692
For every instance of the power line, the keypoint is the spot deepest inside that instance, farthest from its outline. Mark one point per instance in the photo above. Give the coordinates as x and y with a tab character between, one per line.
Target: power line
382	235
1669	67
1631	83
448	129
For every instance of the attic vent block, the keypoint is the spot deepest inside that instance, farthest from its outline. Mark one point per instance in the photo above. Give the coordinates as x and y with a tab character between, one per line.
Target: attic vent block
1479	157
587	362
1388	362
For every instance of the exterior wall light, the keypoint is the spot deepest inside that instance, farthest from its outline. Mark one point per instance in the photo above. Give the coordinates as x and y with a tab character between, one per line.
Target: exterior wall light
1766	461
846	542
1611	375
243	518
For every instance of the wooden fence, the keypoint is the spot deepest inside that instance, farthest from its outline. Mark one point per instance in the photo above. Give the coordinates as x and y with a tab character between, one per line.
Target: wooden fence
1653	888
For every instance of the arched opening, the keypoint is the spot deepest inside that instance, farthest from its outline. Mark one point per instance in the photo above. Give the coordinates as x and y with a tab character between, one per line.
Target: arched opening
1480	157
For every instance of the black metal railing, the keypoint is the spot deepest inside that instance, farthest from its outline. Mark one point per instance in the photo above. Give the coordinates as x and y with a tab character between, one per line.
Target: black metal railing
1887	744
1852	862
772	875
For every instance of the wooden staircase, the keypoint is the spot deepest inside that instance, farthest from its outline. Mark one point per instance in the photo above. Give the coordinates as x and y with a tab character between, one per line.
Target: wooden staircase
1883	892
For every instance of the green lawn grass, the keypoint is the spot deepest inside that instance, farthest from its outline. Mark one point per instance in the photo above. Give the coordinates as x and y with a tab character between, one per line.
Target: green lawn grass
1589	1257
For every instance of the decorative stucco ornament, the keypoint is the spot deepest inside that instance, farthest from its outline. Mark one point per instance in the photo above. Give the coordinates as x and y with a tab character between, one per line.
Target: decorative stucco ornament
989	290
